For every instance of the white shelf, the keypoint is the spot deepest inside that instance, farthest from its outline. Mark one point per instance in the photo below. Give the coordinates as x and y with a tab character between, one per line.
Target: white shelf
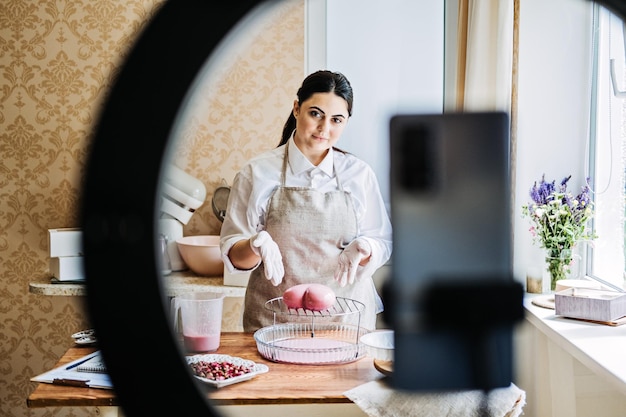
599	347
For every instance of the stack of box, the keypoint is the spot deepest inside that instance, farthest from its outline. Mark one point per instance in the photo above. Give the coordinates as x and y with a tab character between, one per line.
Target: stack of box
66	254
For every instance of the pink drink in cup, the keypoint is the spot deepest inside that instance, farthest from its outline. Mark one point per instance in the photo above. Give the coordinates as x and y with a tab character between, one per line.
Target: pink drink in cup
200	316
199	343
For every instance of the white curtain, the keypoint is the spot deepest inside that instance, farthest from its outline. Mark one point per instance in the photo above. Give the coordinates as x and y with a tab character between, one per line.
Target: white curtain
485	58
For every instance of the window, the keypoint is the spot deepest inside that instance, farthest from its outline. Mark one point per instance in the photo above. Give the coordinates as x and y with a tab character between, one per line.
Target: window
607	149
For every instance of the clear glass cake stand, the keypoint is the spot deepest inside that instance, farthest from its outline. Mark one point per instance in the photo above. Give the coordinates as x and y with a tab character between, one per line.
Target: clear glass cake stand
314	337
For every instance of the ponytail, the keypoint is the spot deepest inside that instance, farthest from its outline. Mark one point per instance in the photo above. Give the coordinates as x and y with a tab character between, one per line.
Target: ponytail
290	126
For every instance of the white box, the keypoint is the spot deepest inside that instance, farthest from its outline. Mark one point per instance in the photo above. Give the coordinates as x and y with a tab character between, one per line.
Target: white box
236	280
65	242
67	268
590	304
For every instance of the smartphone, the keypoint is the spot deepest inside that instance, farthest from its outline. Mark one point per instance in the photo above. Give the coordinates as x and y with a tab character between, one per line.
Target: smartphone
451	298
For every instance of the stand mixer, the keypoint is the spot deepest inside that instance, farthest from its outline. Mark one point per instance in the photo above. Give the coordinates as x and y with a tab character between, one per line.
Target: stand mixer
181	195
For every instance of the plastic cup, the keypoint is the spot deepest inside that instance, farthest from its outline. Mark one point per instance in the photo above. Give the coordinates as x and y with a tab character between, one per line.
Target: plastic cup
199	316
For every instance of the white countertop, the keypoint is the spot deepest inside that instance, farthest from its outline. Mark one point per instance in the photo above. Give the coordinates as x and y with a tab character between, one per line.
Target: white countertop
174	284
601	348
186	281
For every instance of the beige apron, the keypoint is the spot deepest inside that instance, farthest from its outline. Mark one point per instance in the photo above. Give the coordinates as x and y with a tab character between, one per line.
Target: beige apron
311	229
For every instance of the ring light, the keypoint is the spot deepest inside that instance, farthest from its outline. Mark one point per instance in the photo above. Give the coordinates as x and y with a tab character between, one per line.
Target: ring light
125	299
118	209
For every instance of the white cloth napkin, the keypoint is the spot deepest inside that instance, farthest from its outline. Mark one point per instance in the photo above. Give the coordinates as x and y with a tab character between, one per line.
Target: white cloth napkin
377	399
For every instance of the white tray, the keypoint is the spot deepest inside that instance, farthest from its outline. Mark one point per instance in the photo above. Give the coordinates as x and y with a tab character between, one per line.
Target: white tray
256	368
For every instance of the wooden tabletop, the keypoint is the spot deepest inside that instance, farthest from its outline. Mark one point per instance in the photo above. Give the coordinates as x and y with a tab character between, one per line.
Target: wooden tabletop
50	395
283	384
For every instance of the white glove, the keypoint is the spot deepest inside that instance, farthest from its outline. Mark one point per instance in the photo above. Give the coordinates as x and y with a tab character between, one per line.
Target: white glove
349	261
264	246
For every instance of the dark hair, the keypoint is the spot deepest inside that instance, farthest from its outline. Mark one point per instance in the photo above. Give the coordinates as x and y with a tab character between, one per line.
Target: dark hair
319	82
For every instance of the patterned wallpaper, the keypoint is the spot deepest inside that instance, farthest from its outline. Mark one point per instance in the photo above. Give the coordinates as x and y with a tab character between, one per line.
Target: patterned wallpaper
240	106
58	59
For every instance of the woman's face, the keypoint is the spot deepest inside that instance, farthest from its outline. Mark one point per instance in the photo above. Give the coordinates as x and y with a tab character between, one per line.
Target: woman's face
320	120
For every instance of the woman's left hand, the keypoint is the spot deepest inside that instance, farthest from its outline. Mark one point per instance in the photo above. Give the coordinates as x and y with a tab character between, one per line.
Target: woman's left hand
356	252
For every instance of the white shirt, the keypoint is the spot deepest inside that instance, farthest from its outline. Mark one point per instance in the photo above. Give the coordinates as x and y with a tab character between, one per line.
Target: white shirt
257	180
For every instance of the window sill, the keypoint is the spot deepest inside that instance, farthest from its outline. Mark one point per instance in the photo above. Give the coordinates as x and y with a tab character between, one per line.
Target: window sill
599	347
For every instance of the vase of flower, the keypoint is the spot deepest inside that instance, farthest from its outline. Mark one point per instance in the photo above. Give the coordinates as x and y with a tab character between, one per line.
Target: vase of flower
547	267
561	264
555	267
559	221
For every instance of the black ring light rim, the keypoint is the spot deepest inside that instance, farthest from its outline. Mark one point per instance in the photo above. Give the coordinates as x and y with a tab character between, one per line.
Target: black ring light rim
118	205
118	208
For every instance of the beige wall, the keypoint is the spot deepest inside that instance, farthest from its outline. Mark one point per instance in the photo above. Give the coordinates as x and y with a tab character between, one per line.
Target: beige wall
57	61
241	109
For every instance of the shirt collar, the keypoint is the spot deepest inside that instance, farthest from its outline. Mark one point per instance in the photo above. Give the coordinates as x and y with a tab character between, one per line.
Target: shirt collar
299	163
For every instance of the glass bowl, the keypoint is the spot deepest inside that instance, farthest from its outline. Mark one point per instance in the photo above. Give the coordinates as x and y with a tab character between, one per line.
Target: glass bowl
311	343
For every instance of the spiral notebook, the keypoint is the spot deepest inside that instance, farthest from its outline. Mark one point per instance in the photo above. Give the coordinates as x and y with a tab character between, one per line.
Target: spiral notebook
94	364
92	373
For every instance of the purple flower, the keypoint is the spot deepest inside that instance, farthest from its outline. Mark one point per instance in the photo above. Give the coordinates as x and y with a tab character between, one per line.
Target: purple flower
544	193
559	219
583	198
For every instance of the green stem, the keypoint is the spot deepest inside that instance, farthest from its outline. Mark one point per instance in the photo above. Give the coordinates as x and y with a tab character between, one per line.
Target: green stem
558	265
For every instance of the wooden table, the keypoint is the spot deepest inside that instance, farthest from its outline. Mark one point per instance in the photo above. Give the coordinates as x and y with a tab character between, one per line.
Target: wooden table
286	384
50	395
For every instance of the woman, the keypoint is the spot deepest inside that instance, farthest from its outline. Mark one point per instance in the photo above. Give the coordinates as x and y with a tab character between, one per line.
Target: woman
307	212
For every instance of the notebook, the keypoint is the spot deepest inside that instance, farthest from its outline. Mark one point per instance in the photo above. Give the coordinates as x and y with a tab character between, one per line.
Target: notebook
95	364
69	374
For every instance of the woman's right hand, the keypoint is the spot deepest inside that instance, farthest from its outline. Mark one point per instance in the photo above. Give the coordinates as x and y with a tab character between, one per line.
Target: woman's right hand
264	246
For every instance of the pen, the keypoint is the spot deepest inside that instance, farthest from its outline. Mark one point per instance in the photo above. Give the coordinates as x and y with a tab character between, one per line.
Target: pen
74	365
71	382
